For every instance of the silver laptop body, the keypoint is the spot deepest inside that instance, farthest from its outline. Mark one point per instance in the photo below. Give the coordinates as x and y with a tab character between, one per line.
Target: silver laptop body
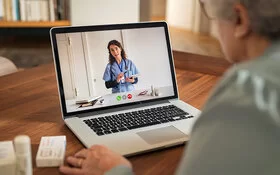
81	56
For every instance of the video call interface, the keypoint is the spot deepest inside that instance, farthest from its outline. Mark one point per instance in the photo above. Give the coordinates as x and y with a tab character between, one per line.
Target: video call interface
113	67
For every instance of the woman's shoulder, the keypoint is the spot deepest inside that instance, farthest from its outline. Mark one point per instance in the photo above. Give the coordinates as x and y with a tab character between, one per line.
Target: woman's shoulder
128	60
108	65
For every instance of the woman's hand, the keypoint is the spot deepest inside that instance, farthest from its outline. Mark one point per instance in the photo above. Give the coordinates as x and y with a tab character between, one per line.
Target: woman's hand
130	80
120	76
95	160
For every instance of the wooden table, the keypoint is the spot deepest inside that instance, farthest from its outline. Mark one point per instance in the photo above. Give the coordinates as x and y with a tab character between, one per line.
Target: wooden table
29	105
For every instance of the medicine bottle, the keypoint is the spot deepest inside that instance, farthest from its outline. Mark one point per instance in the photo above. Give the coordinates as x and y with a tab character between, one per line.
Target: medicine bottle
23	155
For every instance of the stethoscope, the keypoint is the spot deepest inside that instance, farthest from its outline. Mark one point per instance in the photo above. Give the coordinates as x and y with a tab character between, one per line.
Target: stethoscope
125	66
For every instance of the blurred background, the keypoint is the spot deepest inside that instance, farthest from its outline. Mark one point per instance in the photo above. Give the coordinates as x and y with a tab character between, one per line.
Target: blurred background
25	24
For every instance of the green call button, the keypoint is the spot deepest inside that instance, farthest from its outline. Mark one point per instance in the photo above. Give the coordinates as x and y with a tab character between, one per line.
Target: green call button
119	98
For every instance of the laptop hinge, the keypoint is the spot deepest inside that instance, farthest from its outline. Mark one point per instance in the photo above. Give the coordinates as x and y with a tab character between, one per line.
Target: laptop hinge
71	116
122	108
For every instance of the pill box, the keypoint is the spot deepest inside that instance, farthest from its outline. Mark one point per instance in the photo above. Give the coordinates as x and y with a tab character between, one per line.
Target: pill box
7	158
51	151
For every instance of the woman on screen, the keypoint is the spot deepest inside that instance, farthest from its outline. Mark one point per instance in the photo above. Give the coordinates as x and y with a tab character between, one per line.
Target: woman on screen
120	73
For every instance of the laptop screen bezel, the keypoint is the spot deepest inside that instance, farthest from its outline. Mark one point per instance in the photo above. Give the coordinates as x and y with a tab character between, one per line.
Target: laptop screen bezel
77	29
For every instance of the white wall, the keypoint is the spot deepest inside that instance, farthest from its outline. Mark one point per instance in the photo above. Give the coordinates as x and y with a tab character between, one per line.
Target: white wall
187	14
92	12
148	50
180	13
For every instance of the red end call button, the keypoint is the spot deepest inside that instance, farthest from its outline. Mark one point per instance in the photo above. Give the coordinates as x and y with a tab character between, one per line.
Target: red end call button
129	96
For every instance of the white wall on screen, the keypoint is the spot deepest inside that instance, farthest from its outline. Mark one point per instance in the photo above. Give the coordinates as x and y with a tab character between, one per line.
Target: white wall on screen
147	48
98	57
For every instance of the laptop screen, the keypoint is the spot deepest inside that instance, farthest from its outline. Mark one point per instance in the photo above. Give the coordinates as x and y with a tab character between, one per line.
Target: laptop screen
101	68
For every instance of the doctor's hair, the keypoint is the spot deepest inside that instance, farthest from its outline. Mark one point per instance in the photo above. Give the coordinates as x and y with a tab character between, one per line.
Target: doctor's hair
111	57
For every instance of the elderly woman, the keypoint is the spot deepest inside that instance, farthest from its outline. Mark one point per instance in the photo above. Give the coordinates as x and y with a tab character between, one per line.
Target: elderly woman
238	131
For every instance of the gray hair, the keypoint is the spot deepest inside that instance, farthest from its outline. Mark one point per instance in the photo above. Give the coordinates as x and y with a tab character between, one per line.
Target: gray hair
264	15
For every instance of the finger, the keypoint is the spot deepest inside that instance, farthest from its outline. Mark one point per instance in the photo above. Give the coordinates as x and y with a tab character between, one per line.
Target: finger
82	154
70	171
76	162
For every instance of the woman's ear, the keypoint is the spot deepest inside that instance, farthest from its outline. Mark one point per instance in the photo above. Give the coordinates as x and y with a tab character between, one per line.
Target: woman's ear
242	22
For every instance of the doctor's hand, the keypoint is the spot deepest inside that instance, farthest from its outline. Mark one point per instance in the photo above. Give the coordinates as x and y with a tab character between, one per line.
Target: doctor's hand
120	76
96	160
130	80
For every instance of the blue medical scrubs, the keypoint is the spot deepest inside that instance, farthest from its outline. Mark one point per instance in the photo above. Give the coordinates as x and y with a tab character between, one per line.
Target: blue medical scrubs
112	71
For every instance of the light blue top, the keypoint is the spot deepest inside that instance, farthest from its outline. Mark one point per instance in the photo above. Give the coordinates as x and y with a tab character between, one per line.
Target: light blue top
112	71
238	132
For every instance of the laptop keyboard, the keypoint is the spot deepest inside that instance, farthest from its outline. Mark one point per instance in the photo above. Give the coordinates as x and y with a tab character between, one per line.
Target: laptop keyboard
137	119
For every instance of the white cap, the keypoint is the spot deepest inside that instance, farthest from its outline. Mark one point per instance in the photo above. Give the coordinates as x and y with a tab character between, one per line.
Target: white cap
22	144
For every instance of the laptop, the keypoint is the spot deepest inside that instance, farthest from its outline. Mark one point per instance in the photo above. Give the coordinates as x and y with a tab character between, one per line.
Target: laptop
138	112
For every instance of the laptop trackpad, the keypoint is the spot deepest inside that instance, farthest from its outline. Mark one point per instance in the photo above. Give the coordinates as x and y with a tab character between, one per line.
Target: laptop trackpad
160	135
